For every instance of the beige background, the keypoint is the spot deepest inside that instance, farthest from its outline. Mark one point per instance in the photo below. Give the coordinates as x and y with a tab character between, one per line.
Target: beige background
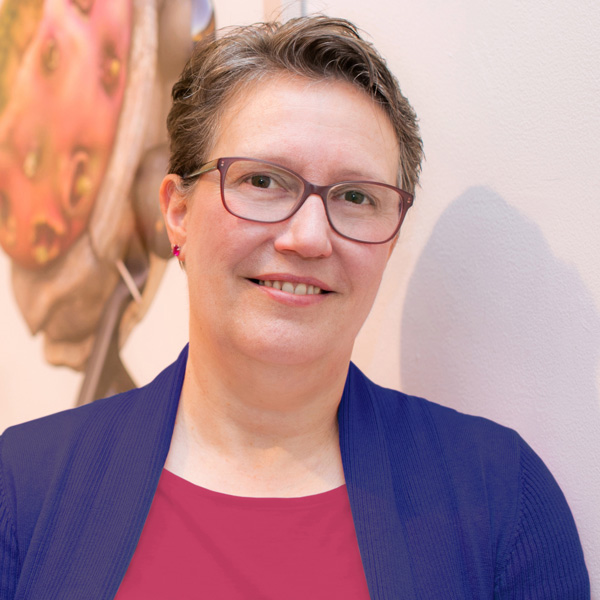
491	303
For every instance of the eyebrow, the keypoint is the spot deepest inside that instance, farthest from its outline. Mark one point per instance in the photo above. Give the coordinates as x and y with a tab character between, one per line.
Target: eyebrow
344	174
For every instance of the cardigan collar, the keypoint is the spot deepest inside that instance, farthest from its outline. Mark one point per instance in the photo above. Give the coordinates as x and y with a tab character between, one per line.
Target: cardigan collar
117	476
369	481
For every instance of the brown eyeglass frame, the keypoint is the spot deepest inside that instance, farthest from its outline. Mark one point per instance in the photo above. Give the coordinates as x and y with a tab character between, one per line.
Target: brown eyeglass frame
223	164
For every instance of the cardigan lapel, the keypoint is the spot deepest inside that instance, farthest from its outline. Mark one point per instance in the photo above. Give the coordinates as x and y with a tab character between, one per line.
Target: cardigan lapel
402	495
102	494
368	474
104	488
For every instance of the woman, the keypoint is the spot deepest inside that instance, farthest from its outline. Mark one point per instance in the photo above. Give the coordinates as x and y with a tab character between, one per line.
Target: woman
262	463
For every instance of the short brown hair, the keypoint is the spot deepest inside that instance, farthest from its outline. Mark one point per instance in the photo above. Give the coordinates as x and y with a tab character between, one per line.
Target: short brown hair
317	47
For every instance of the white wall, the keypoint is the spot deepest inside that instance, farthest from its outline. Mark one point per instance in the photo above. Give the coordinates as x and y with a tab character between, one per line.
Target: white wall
491	303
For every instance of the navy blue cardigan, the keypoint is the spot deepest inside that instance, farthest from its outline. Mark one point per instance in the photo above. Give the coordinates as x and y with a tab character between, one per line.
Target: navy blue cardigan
445	505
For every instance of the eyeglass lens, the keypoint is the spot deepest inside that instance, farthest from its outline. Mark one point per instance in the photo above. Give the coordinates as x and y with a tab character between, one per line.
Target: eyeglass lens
258	191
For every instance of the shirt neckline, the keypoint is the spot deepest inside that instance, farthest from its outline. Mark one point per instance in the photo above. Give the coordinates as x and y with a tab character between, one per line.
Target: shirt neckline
179	485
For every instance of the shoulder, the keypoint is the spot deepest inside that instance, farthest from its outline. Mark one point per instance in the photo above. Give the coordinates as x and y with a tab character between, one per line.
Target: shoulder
473	462
35	444
36	456
33	453
497	489
38	442
433	424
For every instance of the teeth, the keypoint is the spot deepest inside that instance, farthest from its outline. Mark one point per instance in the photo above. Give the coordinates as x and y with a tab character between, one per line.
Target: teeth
300	289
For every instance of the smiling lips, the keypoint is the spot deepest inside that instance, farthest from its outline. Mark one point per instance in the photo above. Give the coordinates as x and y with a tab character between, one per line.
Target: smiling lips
299	289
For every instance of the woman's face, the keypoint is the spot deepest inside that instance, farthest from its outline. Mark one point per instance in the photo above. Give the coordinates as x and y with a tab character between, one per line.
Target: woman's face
327	132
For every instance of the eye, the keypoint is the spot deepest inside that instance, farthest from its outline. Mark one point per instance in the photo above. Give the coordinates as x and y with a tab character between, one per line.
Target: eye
264	180
359	196
356	197
261	181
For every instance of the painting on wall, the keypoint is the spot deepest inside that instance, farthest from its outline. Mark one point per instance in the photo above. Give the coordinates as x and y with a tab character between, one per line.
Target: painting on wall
84	93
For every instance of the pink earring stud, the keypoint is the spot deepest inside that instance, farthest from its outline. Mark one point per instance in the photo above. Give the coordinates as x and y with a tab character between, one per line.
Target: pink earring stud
176	250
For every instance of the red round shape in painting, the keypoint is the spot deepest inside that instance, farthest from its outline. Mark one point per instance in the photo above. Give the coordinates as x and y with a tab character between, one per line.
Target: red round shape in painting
61	91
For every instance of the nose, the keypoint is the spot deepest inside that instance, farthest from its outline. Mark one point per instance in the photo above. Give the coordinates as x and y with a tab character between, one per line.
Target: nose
307	232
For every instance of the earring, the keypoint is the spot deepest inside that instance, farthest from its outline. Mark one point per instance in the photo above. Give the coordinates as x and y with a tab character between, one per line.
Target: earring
176	252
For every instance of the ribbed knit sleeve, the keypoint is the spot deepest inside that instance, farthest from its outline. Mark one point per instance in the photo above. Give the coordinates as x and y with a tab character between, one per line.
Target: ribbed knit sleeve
9	556
545	559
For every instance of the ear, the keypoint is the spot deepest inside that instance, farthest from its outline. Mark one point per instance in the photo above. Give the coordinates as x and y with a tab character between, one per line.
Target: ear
174	208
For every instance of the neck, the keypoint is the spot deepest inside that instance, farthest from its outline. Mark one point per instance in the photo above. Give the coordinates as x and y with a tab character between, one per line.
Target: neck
253	428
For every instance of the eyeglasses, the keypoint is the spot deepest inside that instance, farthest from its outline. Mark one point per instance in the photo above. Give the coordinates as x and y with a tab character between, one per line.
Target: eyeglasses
264	192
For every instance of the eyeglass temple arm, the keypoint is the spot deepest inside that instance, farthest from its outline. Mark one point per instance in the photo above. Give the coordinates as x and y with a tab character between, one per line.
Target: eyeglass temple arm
205	168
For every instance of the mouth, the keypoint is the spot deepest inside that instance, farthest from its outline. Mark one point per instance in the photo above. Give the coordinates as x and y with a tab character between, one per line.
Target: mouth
298	289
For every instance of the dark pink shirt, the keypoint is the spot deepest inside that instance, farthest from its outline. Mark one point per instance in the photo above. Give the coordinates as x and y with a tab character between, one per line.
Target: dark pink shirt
197	543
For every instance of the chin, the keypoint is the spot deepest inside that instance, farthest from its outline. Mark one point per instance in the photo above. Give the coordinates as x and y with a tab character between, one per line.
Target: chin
297	349
286	357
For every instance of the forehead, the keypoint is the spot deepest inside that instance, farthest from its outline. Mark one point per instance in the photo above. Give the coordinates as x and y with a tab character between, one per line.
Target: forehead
295	120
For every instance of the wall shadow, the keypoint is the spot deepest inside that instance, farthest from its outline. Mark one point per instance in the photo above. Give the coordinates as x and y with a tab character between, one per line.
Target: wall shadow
495	324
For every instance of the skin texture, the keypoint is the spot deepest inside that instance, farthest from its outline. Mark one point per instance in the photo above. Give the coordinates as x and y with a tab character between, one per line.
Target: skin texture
266	367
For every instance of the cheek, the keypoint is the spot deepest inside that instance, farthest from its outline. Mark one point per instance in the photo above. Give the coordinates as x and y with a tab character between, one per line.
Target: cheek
366	279
371	268
219	241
